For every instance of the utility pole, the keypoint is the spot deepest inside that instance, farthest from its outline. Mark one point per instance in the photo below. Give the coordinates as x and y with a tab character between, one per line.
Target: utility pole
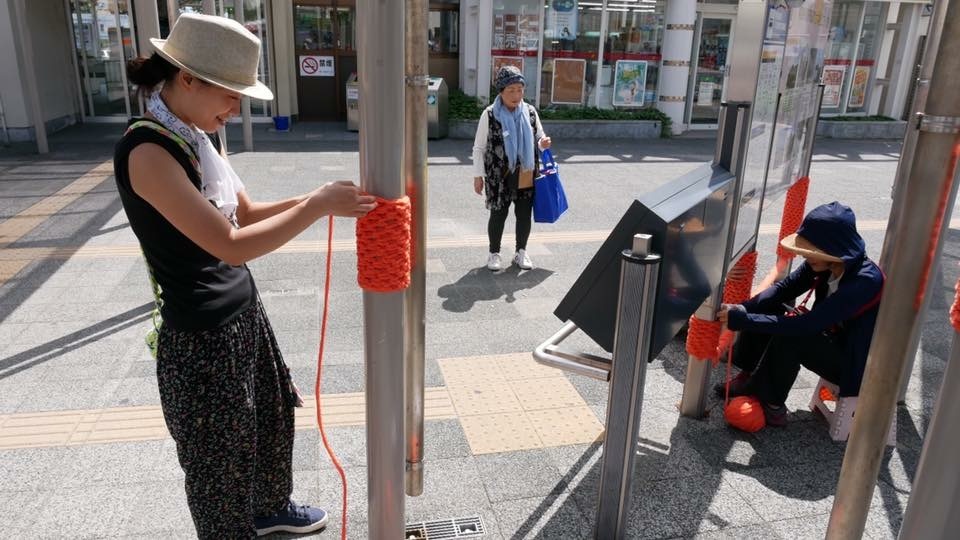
923	201
415	178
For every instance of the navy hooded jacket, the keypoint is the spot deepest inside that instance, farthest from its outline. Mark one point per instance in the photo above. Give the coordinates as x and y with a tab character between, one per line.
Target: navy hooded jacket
849	314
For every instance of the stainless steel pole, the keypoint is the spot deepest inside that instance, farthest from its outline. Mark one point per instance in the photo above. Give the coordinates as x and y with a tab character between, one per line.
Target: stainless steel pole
903	170
245	102
923	203
415	178
934	508
380	30
631	352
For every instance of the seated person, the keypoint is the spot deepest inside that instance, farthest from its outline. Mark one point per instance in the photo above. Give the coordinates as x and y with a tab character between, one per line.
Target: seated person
832	338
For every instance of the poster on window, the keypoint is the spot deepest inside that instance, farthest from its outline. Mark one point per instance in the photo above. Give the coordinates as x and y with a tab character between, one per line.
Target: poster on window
568	80
563	19
498	36
629	83
316	66
500	61
858	90
511	35
529	25
832	85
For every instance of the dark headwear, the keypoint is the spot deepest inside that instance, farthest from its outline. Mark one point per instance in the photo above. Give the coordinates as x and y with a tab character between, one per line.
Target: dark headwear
831	230
506	76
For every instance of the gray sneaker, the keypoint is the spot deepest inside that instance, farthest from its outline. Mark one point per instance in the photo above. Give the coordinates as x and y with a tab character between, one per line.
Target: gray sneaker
494	263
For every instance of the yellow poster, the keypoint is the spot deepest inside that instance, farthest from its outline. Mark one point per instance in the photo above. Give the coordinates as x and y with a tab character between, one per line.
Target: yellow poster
858	92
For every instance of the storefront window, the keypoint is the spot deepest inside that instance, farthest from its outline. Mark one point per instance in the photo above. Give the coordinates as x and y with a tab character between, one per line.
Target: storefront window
103	38
856	29
255	20
443	34
631	56
864	72
516	39
571	42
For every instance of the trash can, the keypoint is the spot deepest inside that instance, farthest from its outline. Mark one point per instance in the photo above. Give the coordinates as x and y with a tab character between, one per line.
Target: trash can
437	105
353	103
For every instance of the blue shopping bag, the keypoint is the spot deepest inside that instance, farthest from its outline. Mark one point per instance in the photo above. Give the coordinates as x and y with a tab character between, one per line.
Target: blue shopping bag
549	201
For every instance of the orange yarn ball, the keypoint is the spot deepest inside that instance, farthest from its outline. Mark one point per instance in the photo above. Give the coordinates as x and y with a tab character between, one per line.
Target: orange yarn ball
745	413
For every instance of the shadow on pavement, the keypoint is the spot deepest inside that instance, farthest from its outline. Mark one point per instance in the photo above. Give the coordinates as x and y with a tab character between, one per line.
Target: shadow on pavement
480	284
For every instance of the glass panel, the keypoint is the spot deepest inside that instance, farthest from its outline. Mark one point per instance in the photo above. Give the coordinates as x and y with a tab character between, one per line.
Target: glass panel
868	46
101	50
254	20
711	70
346	29
443	35
838	65
631	56
570	48
516	39
313	28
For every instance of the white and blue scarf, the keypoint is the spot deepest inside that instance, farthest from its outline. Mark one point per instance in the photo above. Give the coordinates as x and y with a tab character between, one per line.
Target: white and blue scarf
219	183
517	134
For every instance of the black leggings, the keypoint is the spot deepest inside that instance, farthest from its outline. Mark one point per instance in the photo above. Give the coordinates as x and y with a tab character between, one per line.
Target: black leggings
523	211
775	362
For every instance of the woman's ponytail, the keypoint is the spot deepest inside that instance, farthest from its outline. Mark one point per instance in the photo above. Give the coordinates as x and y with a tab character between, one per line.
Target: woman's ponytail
148	71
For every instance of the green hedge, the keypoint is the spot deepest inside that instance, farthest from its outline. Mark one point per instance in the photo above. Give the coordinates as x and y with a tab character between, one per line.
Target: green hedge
464	107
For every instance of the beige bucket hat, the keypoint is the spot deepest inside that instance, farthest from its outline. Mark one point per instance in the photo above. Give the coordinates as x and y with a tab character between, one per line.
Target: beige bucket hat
216	49
803	247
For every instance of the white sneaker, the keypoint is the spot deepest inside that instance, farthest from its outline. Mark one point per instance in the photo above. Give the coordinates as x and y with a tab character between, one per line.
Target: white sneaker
522	260
494	263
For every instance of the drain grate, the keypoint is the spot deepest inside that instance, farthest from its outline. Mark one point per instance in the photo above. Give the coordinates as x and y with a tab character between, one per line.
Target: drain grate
442	529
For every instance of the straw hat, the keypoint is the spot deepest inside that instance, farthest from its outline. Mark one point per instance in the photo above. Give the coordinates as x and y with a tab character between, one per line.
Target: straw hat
803	247
216	49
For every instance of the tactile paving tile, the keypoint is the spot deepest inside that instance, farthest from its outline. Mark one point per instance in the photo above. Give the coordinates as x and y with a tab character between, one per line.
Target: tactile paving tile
470	371
503	432
546	393
559	427
522	366
486	399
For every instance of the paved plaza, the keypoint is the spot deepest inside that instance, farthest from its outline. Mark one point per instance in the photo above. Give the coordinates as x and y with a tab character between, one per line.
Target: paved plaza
84	452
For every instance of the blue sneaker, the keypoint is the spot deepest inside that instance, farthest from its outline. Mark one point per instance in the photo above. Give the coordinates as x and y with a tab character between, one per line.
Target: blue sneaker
294	518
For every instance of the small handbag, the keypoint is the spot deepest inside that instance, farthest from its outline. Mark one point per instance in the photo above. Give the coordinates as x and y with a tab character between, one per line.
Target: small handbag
549	200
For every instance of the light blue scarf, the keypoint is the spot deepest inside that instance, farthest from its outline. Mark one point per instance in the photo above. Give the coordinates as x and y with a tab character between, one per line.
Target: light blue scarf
517	134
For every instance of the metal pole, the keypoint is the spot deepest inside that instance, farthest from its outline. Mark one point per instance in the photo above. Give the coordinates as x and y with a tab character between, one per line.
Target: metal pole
415	177
245	102
604	23
903	170
83	58
173	11
631	352
73	60
380	30
924	202
811	134
30	76
934	508
123	57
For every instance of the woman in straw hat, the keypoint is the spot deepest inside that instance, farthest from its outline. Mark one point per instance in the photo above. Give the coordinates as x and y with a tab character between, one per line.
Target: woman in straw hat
832	338
226	393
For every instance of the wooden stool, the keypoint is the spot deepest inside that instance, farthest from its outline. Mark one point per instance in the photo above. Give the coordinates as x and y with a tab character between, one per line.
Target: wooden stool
840	417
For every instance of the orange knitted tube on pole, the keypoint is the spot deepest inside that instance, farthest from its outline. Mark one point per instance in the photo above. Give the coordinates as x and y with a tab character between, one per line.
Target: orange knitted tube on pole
704	338
383	247
793	210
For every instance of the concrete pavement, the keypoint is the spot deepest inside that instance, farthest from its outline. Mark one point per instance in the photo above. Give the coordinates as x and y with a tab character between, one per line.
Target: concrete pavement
83	453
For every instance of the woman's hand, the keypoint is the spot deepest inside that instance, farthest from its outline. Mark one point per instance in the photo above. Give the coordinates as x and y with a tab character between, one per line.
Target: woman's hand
343	199
545	143
478	184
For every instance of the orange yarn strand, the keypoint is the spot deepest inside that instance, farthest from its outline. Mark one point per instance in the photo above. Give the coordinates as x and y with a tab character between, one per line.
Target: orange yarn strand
704	338
316	387
383	247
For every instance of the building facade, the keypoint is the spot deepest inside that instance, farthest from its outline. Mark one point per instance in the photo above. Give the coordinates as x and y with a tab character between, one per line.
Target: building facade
66	64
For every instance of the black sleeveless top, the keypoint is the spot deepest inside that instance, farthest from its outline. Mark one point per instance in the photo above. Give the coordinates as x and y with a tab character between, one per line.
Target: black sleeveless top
198	290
